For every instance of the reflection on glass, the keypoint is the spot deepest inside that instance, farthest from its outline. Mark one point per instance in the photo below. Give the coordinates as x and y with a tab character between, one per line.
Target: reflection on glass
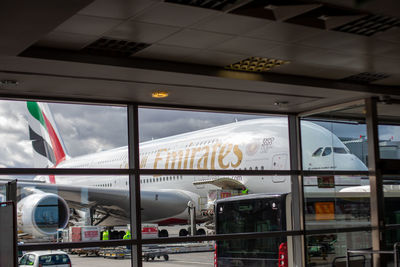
249	214
331	249
333	202
333	146
391	192
3	193
213	142
389	143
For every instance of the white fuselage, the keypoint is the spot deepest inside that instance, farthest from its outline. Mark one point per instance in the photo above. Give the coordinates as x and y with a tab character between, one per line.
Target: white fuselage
260	144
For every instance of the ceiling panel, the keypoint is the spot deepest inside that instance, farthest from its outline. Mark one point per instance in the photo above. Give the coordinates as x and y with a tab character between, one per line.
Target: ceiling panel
392	34
167	52
334	40
246	46
282	32
195	39
230	24
65	40
117	9
173	14
88	25
141	32
214	58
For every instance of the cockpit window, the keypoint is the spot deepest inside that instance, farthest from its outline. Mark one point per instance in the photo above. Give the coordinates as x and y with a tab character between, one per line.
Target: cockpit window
327	151
340	150
317	152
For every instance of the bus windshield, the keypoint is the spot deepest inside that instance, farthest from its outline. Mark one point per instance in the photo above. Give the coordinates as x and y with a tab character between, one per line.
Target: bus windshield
246	215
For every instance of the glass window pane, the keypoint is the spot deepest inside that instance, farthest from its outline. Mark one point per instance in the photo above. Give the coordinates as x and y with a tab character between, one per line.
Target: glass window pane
335	140
333	146
333	202
69	212
389	129
172	139
37	134
330	249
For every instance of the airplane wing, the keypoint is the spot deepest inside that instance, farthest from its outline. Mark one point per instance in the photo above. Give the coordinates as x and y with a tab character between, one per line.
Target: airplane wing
155	204
222	182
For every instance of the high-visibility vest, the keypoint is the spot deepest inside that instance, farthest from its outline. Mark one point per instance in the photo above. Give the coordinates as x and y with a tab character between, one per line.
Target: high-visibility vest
127	235
105	235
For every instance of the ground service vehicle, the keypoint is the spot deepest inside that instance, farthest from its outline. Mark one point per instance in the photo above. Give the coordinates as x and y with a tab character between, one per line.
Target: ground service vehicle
45	258
247	214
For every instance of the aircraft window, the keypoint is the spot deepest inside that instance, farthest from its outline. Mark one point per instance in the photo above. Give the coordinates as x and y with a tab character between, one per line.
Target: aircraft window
250	168
339	150
262	167
256	168
327	151
317	152
154	180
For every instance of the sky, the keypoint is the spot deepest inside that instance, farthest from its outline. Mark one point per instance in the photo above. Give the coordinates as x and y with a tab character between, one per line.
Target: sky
88	128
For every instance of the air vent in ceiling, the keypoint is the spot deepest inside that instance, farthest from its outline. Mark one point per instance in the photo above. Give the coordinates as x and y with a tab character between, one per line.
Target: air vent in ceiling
221	5
366	77
369	25
256	64
113	47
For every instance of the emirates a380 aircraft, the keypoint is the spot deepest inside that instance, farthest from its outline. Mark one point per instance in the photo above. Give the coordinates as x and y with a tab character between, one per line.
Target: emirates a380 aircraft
259	144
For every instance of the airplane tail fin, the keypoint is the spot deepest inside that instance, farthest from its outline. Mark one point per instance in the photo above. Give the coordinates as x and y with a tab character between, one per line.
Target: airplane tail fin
48	147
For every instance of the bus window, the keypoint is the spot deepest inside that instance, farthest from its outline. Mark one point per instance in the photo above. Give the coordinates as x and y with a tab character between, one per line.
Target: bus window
247	214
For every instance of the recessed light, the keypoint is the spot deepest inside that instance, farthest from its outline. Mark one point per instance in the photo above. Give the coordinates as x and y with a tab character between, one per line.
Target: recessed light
160	94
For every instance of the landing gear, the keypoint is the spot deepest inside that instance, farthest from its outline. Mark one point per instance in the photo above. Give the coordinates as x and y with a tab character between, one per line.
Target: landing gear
201	231
163	233
183	232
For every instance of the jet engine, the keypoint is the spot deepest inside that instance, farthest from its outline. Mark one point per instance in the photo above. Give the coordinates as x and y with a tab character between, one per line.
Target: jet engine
41	214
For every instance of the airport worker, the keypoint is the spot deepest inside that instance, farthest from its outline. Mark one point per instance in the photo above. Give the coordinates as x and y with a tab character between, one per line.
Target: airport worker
127	236
106	235
245	191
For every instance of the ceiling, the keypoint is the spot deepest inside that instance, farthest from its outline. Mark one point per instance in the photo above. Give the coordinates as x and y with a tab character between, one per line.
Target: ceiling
122	50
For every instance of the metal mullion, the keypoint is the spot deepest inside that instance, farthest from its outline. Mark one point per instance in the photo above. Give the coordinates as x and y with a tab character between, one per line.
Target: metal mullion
62	171
348	173
134	185
173	240
197	172
297	219
376	184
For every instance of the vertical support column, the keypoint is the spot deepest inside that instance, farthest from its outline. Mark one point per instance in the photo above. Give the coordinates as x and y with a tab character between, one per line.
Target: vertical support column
375	180
134	185
297	221
11	192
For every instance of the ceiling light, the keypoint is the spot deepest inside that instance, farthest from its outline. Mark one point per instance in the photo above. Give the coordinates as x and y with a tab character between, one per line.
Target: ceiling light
160	94
256	64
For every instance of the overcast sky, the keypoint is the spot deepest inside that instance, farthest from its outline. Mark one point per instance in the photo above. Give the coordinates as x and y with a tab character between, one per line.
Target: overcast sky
88	128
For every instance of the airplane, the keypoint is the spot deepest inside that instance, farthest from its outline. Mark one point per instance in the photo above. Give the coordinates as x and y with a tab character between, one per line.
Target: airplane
256	144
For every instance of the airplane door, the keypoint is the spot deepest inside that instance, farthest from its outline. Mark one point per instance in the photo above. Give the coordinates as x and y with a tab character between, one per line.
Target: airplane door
279	163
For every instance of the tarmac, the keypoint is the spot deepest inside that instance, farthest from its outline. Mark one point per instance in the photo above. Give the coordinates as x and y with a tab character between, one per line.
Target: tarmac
198	259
